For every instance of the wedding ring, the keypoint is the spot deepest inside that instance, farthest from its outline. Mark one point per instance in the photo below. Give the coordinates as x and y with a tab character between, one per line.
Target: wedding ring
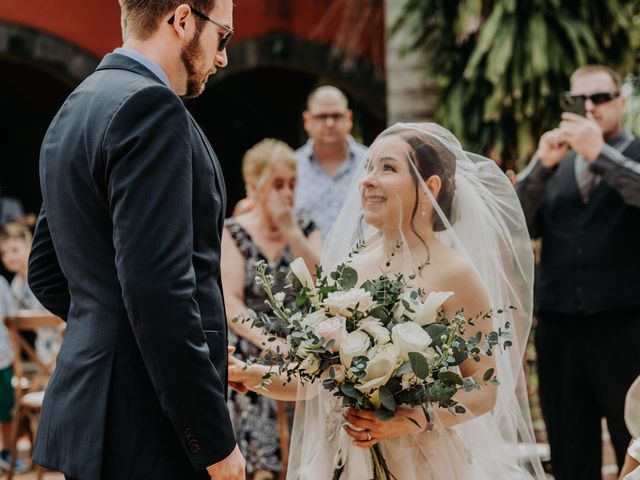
369	437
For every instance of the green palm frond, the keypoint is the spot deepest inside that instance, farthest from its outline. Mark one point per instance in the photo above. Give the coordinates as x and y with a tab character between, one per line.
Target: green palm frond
502	65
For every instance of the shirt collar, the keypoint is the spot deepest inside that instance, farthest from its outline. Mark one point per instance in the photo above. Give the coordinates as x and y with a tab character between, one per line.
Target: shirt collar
620	139
351	155
145	62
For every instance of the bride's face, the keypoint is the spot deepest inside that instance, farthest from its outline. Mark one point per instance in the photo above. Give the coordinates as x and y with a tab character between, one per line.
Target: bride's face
388	191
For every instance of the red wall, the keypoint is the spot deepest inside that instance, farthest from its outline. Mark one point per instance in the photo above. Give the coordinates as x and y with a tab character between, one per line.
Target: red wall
95	24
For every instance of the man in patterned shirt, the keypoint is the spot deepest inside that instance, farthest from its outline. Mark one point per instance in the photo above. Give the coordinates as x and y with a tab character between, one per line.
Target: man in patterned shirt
327	162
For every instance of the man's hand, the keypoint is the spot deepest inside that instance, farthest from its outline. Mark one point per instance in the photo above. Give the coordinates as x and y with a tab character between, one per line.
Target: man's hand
583	134
552	148
231	468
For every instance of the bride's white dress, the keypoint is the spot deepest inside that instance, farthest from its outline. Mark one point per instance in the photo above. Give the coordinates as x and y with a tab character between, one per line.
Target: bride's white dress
487	227
472	450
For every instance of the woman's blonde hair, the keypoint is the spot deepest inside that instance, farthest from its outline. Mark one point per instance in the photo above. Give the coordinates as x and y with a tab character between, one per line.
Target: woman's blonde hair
260	158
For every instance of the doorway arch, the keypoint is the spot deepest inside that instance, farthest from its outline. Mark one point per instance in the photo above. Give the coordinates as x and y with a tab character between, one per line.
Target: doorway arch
39	71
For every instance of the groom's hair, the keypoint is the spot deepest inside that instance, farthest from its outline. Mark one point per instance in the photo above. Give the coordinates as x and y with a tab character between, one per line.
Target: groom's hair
140	18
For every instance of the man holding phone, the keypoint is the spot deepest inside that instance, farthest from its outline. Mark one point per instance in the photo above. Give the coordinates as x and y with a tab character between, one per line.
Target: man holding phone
581	196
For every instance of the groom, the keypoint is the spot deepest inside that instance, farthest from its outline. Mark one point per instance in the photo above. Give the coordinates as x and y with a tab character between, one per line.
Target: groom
127	250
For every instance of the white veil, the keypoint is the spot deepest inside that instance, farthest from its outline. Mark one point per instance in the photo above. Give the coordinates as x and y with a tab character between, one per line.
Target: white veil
486	226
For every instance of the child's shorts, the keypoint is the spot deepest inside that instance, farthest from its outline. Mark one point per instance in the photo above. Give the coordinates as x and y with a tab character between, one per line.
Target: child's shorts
7	395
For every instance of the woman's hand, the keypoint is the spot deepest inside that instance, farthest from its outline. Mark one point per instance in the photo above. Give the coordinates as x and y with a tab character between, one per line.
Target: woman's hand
369	429
235	372
281	213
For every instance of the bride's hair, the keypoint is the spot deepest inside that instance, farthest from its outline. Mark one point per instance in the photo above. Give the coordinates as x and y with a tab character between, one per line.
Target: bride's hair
431	157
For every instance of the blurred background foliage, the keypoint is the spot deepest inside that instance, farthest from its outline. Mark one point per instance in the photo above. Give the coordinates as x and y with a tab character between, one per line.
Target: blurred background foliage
501	66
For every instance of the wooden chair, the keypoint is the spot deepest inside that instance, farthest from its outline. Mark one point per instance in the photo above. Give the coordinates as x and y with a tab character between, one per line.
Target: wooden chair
30	393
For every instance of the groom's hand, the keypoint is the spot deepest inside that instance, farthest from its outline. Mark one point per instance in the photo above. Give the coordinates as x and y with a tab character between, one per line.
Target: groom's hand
231	468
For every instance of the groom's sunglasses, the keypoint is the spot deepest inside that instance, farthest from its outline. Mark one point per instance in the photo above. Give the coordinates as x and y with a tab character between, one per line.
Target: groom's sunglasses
224	39
597	98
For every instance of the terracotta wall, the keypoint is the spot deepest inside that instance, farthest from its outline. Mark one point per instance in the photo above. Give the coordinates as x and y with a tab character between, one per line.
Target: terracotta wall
95	24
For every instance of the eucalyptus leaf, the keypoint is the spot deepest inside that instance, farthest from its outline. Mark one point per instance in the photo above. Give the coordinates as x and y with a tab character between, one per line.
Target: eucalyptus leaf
419	365
450	377
384	414
386	398
488	374
349	390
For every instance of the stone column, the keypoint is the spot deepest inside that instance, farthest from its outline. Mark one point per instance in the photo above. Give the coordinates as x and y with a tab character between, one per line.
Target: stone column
411	97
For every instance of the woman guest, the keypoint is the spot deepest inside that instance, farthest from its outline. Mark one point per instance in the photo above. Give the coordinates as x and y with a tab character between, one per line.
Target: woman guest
270	232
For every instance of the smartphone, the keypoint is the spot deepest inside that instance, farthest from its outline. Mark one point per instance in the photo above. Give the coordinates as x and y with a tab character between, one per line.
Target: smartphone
574	105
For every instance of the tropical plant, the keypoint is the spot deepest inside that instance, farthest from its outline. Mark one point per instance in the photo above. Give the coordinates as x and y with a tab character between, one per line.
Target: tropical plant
502	65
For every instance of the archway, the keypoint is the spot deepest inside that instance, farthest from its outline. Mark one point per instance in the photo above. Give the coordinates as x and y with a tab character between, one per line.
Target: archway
39	72
263	92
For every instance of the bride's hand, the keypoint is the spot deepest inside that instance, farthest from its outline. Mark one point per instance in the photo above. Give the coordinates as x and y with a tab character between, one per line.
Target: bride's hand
369	429
235	372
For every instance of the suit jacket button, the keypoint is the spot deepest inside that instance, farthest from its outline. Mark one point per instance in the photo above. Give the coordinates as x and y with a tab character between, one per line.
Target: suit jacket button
188	431
195	448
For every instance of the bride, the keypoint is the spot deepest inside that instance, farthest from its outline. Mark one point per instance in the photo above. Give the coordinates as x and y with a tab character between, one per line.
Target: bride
450	221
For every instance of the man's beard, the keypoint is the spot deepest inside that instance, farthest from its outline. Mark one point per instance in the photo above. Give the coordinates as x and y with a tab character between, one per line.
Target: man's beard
190	55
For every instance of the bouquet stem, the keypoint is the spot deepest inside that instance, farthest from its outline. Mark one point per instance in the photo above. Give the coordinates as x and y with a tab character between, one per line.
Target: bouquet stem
380	469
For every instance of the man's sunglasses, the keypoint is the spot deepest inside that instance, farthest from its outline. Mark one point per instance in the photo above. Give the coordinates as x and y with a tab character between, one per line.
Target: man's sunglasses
596	98
228	32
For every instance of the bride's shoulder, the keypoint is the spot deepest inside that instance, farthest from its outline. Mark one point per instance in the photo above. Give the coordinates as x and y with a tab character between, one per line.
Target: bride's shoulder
458	275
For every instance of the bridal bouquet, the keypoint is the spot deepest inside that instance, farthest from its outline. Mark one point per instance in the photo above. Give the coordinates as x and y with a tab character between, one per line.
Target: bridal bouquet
376	345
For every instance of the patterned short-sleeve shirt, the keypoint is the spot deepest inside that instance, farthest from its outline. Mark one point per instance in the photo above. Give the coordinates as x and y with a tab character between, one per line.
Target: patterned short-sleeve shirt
319	196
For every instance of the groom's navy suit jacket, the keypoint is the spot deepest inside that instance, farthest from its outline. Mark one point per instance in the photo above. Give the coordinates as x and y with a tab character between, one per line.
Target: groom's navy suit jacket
127	250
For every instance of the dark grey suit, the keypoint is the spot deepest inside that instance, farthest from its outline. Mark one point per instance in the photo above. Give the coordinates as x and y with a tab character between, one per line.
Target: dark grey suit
127	250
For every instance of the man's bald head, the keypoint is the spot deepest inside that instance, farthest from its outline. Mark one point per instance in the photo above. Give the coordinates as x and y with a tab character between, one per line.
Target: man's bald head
327	93
328	120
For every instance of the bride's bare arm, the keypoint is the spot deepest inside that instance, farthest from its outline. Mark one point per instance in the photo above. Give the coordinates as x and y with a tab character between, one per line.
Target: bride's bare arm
252	377
471	295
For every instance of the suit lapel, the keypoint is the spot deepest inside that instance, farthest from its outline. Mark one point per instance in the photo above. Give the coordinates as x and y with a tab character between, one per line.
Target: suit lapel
220	186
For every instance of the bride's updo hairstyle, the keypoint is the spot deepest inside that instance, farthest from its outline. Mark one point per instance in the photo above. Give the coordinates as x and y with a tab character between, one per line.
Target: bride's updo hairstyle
430	157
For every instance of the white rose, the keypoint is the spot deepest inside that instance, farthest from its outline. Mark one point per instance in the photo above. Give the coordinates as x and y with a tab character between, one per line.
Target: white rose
400	309
427	312
354	344
410	337
332	329
311	364
383	361
301	272
339	303
313	319
374	328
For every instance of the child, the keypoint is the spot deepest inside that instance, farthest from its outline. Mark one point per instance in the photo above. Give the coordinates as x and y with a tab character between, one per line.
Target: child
7	396
15	245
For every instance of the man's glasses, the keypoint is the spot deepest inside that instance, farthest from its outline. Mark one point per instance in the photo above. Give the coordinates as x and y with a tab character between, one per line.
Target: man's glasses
323	117
596	98
224	39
